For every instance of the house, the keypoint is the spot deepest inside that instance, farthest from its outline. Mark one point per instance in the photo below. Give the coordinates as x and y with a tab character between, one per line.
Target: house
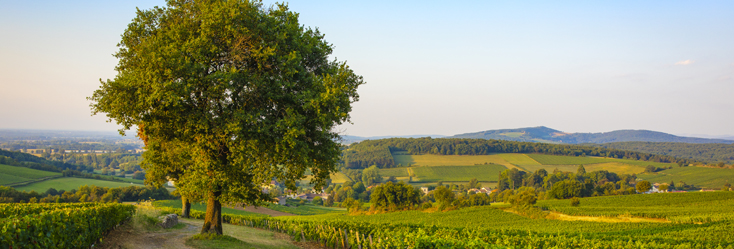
425	190
281	200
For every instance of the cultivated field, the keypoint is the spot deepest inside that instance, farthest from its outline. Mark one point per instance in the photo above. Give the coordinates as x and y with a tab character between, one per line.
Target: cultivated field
69	183
339	177
488	172
518	159
698	176
13	174
396	172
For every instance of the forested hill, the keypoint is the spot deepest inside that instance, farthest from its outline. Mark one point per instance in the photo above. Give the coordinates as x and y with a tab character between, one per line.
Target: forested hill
548	135
30	161
378	152
710	153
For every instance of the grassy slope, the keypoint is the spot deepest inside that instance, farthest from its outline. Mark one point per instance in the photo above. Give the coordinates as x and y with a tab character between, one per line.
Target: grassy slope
69	183
449	160
458	173
684	207
202	207
518	159
706	177
339	177
396	172
698	176
13	174
306	209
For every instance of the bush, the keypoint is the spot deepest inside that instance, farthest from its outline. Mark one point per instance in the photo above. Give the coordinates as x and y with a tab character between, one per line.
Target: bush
575	202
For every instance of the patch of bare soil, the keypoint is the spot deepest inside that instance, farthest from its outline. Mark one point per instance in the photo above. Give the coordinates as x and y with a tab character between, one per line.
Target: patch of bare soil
263	210
127	236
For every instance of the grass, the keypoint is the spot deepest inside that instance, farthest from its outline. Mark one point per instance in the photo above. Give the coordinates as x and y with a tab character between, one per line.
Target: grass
448	160
698	176
69	183
307	209
202	207
518	159
619	168
513	134
6	179
565	160
14	174
458	173
240	237
396	172
677	207
206	241
571	160
339	177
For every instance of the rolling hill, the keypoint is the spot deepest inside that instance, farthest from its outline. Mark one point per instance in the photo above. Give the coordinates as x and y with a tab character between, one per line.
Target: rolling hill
548	135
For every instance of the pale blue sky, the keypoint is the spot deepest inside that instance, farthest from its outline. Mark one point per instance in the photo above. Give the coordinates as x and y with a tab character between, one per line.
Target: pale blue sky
431	67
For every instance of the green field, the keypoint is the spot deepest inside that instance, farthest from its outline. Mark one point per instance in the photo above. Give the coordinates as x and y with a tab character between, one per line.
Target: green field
202	207
396	172
488	172
13	174
677	207
69	183
518	159
339	177
698	176
306	209
571	160
619	168
449	160
565	160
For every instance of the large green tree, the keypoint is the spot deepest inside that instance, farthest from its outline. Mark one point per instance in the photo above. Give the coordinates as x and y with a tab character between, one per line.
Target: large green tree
250	92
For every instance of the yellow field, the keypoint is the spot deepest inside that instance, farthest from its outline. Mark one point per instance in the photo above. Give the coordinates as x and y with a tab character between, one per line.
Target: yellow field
518	159
619	168
452	160
339	177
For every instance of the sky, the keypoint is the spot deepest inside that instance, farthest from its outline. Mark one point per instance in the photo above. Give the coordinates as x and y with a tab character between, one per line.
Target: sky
430	67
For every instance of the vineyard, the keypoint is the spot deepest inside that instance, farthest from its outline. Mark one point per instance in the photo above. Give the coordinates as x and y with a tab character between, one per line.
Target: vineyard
53	225
491	227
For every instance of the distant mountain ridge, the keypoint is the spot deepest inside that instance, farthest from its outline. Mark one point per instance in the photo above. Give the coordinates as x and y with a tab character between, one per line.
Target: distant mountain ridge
548	135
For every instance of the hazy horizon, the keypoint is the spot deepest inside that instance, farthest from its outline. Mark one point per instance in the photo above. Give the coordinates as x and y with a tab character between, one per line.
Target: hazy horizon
430	67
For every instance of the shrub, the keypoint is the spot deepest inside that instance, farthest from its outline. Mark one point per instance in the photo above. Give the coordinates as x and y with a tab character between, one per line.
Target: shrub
575	202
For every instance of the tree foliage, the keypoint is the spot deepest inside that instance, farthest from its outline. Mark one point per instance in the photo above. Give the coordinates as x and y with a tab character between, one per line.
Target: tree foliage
249	91
643	186
392	197
371	176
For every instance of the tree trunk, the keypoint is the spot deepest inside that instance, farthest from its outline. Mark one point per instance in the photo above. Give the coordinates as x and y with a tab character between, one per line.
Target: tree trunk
213	218
185	207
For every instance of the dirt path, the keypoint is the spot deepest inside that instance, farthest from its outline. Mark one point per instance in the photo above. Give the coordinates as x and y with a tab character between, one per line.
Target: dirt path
127	236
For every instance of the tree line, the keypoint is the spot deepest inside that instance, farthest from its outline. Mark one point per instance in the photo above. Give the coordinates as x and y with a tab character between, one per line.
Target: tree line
30	161
717	154
84	194
376	152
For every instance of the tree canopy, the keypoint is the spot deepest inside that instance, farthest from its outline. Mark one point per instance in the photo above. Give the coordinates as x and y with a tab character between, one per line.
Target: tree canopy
247	90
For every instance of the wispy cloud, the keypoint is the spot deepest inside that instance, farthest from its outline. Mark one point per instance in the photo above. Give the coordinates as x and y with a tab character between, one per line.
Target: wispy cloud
683	63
